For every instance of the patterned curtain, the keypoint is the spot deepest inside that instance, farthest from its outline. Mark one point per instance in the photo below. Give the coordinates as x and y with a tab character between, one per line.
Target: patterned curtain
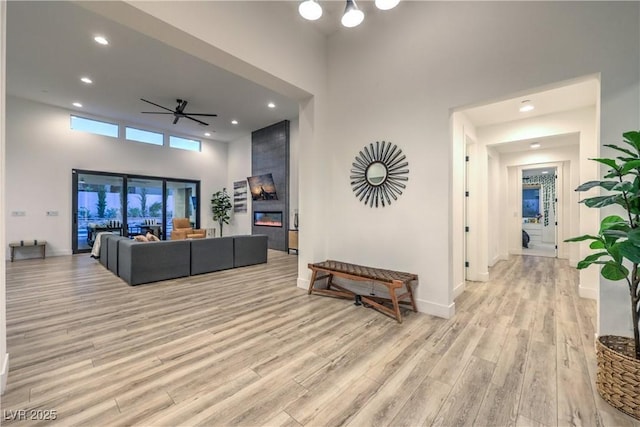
548	183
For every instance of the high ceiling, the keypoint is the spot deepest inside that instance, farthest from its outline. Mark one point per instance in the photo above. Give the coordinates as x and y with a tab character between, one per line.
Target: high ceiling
50	47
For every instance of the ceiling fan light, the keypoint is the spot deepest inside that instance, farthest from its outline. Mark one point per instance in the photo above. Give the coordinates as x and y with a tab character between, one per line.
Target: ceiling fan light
310	10
386	4
352	15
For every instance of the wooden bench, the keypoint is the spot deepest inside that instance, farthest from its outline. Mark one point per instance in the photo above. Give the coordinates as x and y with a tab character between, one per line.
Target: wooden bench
27	243
393	280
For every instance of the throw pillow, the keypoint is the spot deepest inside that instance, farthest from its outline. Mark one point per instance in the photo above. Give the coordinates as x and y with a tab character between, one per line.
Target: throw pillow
140	238
152	237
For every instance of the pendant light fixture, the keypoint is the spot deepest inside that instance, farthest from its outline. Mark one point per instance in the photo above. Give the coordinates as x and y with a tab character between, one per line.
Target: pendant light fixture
310	10
386	4
353	16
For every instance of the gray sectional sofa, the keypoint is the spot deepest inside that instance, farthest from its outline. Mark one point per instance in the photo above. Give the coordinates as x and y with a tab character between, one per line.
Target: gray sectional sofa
144	262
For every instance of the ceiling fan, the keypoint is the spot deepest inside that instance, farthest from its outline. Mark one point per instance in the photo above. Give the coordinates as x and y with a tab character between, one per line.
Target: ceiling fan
178	113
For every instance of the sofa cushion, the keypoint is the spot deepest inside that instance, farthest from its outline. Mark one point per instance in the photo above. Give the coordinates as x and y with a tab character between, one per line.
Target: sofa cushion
211	254
144	262
112	248
249	250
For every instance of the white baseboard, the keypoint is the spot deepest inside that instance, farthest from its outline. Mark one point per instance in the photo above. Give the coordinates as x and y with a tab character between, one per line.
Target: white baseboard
495	259
435	309
424	306
458	290
4	374
303	283
588	293
483	277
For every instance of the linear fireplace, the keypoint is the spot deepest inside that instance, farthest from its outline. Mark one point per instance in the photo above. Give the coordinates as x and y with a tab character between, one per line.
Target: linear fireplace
267	219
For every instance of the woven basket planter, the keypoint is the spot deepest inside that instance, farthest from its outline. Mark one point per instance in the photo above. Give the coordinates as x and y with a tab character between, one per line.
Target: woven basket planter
618	378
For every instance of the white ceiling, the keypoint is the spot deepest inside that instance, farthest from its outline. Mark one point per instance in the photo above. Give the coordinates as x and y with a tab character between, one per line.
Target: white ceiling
569	97
537	171
546	143
50	46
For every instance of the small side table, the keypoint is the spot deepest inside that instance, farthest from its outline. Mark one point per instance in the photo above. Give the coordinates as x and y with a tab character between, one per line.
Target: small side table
293	241
23	243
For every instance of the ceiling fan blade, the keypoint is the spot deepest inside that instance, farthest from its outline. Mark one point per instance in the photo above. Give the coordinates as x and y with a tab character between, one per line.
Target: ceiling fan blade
201	114
157	105
196	120
154	112
176	120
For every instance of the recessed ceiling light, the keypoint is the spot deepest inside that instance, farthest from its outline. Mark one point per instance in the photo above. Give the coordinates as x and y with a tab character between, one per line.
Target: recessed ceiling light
535	145
526	106
101	40
234	122
86	80
77	104
545	172
271	105
207	134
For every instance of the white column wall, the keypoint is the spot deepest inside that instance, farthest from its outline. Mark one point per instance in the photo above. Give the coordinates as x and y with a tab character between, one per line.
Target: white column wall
239	168
4	356
494	197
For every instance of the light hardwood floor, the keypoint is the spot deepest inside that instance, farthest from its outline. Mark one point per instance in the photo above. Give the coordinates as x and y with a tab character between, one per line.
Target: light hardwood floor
246	347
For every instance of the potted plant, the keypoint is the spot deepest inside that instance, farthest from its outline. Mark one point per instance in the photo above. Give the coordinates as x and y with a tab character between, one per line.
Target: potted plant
220	207
616	249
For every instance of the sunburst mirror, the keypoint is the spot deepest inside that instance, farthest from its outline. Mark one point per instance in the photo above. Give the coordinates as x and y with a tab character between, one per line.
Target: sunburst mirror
379	173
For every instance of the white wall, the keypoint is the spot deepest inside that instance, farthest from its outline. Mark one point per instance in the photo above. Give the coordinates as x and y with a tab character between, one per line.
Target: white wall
239	168
495	197
4	356
43	150
396	78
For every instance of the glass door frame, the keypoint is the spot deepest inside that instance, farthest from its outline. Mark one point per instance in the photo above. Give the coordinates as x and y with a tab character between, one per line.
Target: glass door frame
125	185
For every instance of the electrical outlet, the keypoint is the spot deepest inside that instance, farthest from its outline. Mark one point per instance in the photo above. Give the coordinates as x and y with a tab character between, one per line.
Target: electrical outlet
52	213
18	213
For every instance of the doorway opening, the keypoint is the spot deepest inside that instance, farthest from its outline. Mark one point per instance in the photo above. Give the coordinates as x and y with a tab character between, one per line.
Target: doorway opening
561	132
540	212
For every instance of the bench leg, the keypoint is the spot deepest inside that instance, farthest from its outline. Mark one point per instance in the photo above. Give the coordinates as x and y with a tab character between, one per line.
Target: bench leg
396	307
44	251
12	252
313	280
413	301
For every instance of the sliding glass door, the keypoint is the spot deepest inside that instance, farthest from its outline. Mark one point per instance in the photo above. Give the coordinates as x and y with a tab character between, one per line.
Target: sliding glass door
182	202
144	206
129	205
97	208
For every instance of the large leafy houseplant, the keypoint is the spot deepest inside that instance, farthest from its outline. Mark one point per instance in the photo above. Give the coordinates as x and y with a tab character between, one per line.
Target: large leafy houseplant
220	207
617	244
